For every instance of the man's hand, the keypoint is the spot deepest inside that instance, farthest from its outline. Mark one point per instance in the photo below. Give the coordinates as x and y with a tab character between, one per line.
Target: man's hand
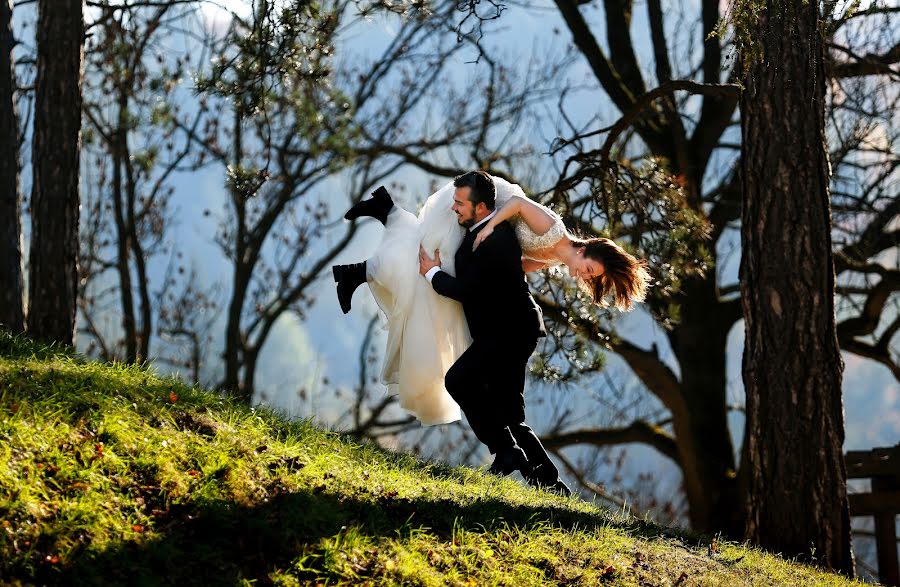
426	262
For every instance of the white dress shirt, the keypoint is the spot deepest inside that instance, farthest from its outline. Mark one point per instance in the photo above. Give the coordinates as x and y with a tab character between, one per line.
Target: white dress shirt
429	275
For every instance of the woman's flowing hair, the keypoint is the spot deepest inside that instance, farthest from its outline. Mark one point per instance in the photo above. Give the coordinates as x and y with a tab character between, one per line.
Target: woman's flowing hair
624	275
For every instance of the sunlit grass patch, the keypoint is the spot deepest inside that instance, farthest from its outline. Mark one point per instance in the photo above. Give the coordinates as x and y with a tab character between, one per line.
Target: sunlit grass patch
110	475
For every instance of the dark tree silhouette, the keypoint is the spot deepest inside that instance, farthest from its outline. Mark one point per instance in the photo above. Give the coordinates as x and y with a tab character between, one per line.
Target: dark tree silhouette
53	272
11	292
796	491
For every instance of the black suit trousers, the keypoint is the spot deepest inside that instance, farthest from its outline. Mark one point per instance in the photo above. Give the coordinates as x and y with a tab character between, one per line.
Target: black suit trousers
488	383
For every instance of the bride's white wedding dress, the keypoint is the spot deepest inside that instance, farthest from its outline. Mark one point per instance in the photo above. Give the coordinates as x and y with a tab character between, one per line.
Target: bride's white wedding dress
427	332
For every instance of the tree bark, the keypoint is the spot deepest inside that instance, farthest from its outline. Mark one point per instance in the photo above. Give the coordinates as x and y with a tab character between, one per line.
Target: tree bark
796	501
11	312
53	269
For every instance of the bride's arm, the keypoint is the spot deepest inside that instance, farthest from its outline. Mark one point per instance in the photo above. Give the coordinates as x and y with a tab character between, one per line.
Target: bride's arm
536	216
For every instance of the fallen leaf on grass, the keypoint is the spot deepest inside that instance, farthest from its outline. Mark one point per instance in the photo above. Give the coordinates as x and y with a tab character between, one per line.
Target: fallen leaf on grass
609	572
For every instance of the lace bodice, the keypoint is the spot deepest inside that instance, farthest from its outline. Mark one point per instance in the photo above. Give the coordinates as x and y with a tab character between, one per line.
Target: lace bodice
534	245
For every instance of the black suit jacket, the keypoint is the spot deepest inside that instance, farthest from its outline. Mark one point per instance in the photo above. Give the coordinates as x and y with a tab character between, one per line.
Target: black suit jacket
492	288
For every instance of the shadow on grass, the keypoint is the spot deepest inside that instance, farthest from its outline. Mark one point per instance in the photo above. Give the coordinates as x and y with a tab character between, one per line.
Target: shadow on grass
221	543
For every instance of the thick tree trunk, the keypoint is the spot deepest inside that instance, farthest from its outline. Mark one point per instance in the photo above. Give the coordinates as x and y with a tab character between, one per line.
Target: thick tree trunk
53	270
11	314
796	482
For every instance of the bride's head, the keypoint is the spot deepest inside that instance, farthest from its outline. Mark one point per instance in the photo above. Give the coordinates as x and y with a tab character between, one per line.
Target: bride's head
604	268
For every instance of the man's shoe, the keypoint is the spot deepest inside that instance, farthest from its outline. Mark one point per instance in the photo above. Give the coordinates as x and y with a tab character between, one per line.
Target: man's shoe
348	278
559	487
378	206
509	460
547	483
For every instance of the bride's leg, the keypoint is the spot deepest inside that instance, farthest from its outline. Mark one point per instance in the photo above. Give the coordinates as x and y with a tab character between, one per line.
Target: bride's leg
348	278
398	245
378	206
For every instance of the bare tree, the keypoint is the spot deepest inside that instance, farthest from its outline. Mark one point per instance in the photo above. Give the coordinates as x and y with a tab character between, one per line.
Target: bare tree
863	124
188	313
133	152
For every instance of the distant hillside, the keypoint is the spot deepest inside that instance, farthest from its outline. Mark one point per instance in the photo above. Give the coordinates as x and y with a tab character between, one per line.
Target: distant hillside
111	475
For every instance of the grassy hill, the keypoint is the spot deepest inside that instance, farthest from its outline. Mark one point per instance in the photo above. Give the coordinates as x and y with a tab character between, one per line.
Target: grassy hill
111	475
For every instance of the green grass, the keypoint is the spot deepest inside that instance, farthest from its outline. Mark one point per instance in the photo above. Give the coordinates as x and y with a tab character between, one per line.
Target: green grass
112	475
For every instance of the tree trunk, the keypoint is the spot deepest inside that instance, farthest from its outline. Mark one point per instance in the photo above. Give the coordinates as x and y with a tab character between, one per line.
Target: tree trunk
796	501
53	270
706	452
122	236
11	314
235	344
140	264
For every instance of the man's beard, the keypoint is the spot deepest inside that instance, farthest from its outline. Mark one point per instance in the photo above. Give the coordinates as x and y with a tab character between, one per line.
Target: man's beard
466	223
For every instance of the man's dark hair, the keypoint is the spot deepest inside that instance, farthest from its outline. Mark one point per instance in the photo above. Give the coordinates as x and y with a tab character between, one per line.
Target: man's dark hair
481	186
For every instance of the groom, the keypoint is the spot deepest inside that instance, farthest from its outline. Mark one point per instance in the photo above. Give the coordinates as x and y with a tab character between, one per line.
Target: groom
488	380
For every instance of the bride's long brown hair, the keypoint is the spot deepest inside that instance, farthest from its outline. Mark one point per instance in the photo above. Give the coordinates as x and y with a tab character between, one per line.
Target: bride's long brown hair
624	275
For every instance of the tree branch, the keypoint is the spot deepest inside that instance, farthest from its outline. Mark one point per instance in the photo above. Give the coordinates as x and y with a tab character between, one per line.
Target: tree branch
655	374
722	90
611	81
639	431
870	64
868	320
874	352
838	23
872	241
621	47
660	47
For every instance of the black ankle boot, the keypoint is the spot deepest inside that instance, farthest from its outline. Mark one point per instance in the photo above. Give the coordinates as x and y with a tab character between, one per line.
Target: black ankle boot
377	206
348	278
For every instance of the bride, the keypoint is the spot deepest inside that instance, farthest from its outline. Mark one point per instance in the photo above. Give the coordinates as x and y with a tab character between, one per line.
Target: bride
427	332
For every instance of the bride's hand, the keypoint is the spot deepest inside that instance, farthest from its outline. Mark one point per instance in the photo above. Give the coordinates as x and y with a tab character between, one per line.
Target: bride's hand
482	234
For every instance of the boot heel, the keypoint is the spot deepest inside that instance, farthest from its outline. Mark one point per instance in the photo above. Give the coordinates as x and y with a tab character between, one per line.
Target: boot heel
337	271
